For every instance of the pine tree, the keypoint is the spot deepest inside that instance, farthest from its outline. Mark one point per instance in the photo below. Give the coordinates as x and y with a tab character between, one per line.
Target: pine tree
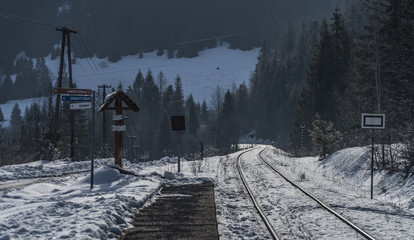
204	115
193	121
15	122
324	136
227	135
177	105
161	82
164	137
151	110
167	99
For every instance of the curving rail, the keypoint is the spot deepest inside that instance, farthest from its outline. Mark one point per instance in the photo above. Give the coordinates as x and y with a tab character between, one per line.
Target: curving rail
256	205
349	223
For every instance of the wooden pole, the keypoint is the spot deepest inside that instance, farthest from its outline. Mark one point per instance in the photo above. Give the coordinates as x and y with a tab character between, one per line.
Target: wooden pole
118	134
92	137
103	117
59	84
72	116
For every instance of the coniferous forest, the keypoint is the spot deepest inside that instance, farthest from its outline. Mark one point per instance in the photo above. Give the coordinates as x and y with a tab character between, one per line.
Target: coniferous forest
313	78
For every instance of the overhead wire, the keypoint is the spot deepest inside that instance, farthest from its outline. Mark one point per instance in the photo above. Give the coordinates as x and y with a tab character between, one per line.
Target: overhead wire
88	53
84	55
26	19
206	39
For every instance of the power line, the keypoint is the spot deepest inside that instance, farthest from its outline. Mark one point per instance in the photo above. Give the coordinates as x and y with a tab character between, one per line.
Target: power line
25	19
89	55
84	55
206	39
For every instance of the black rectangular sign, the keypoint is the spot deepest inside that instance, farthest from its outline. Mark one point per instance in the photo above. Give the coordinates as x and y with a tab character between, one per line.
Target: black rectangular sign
178	123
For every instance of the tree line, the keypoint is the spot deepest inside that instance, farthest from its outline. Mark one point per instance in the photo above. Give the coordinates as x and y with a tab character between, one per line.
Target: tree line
114	29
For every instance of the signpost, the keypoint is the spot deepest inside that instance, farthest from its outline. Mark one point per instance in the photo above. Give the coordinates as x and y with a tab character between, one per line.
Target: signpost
75	91
178	124
372	121
71	98
118	98
118	128
76	106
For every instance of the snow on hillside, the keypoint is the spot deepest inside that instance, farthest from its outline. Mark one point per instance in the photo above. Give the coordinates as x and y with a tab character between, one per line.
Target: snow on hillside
7	108
200	76
66	207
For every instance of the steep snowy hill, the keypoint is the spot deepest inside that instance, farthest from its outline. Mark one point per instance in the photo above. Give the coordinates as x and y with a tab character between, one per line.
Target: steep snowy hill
200	76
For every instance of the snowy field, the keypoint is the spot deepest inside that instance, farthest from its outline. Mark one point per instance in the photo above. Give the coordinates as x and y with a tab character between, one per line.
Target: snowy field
36	205
200	76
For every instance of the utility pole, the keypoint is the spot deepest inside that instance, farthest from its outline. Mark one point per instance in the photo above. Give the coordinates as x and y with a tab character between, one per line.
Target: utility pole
65	35
104	87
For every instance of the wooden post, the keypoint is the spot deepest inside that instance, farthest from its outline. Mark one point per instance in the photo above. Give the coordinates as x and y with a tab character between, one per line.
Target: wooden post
72	116
118	134
59	84
118	97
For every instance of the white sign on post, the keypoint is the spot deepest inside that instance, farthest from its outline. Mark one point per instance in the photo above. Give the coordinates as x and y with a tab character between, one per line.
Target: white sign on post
74	106
118	128
118	117
373	121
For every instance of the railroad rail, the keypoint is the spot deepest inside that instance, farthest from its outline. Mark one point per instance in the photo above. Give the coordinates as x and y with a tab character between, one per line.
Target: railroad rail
255	203
326	207
323	205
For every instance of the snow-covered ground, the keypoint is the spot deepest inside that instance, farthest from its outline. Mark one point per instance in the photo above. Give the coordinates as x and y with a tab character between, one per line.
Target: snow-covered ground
200	75
66	207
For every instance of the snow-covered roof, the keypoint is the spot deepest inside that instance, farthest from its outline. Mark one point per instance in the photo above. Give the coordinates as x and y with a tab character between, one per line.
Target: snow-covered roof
118	94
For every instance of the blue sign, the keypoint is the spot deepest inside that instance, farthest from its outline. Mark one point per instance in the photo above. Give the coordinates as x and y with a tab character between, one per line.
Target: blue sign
76	98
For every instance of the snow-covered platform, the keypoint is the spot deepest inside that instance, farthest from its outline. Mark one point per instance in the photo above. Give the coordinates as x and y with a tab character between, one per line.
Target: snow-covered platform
180	212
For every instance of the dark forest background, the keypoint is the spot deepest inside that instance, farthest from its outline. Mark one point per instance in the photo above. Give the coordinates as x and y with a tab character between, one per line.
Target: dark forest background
313	78
118	28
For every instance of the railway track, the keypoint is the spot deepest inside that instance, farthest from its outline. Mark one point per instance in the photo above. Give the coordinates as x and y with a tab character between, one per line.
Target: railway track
267	222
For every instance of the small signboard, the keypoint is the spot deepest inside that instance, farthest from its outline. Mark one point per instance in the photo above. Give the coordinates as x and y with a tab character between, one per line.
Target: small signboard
76	98
118	128
178	123
118	117
76	91
75	106
373	121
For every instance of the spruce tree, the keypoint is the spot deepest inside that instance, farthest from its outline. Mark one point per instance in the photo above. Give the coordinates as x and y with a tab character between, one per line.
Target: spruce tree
324	136
204	115
164	137
15	122
178	98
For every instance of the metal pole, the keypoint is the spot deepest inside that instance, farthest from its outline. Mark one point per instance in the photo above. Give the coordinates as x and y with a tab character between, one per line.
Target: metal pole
372	165
92	137
178	151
